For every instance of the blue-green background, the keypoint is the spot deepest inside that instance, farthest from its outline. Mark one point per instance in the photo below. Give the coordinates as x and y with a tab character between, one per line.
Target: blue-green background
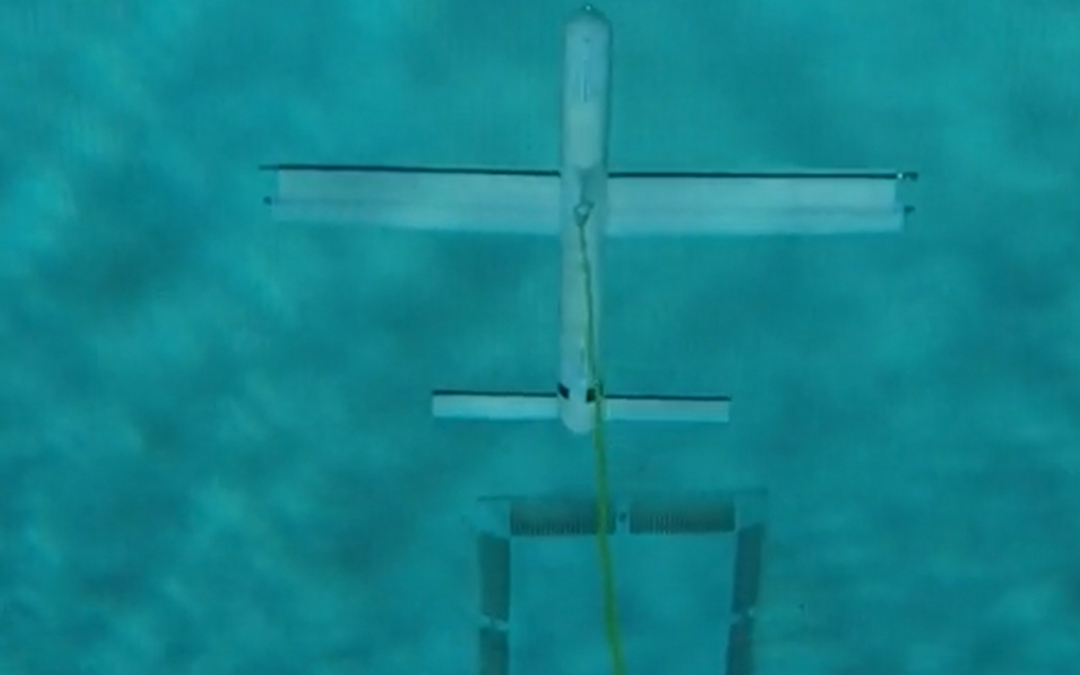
215	448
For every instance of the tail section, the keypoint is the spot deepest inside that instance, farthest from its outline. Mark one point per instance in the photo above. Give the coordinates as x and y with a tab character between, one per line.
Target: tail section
489	406
705	409
518	406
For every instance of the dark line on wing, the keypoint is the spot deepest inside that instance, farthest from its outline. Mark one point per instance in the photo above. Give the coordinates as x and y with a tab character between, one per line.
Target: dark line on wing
872	175
564	393
330	168
478	171
476	392
655	397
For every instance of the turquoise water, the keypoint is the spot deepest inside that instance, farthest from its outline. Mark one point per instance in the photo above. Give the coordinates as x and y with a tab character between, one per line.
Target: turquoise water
215	449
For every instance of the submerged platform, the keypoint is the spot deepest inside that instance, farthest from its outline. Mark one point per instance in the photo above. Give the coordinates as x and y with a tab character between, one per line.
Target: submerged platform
686	567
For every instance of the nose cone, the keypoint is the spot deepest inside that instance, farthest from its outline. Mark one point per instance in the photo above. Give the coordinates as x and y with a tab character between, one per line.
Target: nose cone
591	10
589	23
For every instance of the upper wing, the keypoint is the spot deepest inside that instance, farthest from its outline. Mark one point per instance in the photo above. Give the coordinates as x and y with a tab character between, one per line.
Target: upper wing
755	203
473	200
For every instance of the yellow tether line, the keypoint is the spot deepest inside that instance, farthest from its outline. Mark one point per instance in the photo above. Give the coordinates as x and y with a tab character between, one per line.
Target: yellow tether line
603	506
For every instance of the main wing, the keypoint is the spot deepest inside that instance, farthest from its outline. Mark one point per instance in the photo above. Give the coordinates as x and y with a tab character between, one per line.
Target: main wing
473	200
527	202
796	203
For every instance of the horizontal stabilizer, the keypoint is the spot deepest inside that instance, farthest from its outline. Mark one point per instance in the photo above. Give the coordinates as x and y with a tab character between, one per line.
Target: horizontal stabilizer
474	405
526	407
667	409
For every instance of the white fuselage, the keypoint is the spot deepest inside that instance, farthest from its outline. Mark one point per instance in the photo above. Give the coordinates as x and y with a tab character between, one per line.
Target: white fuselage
583	209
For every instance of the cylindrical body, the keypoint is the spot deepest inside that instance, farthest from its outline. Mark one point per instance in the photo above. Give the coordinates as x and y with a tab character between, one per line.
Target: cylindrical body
586	88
